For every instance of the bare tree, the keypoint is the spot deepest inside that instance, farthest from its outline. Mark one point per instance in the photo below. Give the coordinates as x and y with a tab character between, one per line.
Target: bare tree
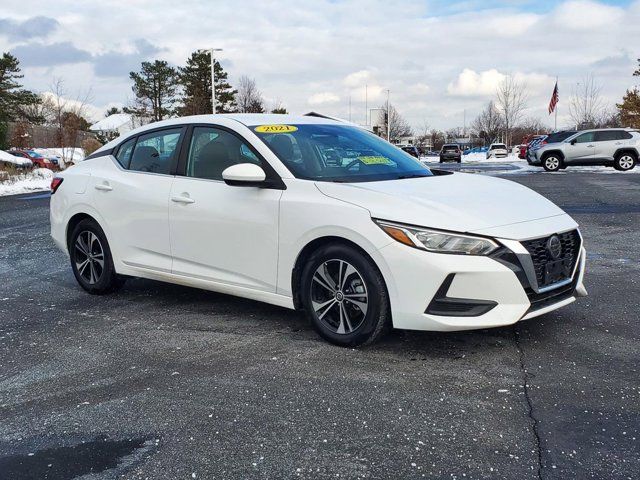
511	100
488	124
399	127
423	134
249	99
586	105
67	117
437	139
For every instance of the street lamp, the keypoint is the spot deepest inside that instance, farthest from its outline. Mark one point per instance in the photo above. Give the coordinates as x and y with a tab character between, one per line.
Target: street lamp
213	75
388	119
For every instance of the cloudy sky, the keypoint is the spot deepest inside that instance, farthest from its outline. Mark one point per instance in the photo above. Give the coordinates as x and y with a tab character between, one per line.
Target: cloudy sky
438	58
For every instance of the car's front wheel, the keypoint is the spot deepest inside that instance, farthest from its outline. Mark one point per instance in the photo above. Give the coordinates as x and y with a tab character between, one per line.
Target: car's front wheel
552	163
624	162
91	259
344	296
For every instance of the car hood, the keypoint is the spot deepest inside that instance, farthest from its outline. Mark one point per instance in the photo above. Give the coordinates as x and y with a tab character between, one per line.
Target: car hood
457	202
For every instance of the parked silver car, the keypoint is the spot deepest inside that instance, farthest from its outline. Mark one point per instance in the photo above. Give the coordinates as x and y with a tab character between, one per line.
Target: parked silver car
612	147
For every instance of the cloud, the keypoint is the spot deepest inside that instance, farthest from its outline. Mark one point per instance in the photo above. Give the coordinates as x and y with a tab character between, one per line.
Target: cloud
437	61
323	98
470	83
41	55
358	79
117	64
34	27
586	15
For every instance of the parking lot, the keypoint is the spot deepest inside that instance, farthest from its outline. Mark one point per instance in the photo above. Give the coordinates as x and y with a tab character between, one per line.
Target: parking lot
162	381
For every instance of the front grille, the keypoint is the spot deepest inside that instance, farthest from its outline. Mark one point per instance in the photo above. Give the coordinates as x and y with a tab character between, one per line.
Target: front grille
541	257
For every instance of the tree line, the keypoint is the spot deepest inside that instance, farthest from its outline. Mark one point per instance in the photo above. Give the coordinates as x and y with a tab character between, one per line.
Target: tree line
163	91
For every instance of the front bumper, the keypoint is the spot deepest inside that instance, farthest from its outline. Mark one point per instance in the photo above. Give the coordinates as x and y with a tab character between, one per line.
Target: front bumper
418	278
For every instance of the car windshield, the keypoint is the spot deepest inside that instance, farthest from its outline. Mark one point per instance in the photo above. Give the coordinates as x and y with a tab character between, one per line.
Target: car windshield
338	153
498	146
34	154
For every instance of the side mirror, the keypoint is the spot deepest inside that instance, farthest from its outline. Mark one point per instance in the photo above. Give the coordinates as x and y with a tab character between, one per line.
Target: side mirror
244	175
573	142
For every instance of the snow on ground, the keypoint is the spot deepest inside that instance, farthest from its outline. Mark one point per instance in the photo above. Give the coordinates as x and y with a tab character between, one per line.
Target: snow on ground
36	180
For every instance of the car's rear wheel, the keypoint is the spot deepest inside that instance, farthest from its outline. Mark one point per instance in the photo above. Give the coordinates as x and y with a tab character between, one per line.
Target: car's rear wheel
552	163
91	259
624	161
344	296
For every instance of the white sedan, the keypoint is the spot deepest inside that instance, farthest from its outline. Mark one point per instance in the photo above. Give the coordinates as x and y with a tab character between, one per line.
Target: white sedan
316	215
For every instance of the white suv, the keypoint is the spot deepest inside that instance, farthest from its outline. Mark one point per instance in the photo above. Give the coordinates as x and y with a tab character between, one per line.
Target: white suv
497	150
317	215
616	147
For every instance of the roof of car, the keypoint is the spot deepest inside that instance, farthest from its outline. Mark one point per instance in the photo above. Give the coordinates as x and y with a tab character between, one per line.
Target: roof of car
247	119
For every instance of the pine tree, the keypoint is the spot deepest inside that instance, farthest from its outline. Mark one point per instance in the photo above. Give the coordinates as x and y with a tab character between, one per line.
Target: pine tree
195	79
14	100
629	109
155	87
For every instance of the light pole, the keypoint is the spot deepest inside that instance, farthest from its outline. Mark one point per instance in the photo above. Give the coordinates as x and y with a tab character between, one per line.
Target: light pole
388	119
213	75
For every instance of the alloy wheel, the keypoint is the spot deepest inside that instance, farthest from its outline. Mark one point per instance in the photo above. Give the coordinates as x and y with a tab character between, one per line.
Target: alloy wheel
339	296
552	163
89	257
626	162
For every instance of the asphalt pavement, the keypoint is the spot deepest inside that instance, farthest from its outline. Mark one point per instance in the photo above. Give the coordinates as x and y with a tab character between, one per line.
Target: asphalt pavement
161	381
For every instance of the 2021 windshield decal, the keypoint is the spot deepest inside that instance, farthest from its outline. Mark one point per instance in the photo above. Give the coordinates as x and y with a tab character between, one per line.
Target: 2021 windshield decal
275	128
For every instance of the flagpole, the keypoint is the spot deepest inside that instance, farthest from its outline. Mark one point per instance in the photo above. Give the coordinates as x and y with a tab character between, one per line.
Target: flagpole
555	124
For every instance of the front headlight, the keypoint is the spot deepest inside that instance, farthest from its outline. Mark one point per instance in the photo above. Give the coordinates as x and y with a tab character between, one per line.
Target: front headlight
437	241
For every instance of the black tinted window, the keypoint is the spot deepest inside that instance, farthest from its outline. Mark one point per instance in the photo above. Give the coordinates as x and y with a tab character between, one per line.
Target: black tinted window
213	150
559	136
124	152
607	135
155	151
622	135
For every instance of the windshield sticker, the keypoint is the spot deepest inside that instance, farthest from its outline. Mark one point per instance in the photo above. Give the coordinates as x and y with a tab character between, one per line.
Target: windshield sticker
275	128
379	160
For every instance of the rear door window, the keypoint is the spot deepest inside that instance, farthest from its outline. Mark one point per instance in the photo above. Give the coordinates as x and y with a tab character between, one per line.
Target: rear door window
607	135
156	151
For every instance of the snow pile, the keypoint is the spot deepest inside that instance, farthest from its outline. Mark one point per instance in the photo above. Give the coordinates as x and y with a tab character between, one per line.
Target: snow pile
36	180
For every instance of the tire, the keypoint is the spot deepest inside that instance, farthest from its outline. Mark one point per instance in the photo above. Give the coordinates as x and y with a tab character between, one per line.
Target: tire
552	163
94	277
356	312
625	161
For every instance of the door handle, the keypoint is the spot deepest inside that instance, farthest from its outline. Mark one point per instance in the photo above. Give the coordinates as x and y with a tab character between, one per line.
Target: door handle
180	199
618	143
590	146
105	187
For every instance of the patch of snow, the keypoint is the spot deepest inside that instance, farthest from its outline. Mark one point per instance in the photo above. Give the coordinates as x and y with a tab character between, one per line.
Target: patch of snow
36	180
112	122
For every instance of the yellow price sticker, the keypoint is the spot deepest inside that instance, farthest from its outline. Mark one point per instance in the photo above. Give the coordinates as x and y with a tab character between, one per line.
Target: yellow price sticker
372	160
275	128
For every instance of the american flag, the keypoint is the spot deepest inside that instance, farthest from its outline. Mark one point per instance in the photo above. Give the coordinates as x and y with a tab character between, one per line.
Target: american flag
554	99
